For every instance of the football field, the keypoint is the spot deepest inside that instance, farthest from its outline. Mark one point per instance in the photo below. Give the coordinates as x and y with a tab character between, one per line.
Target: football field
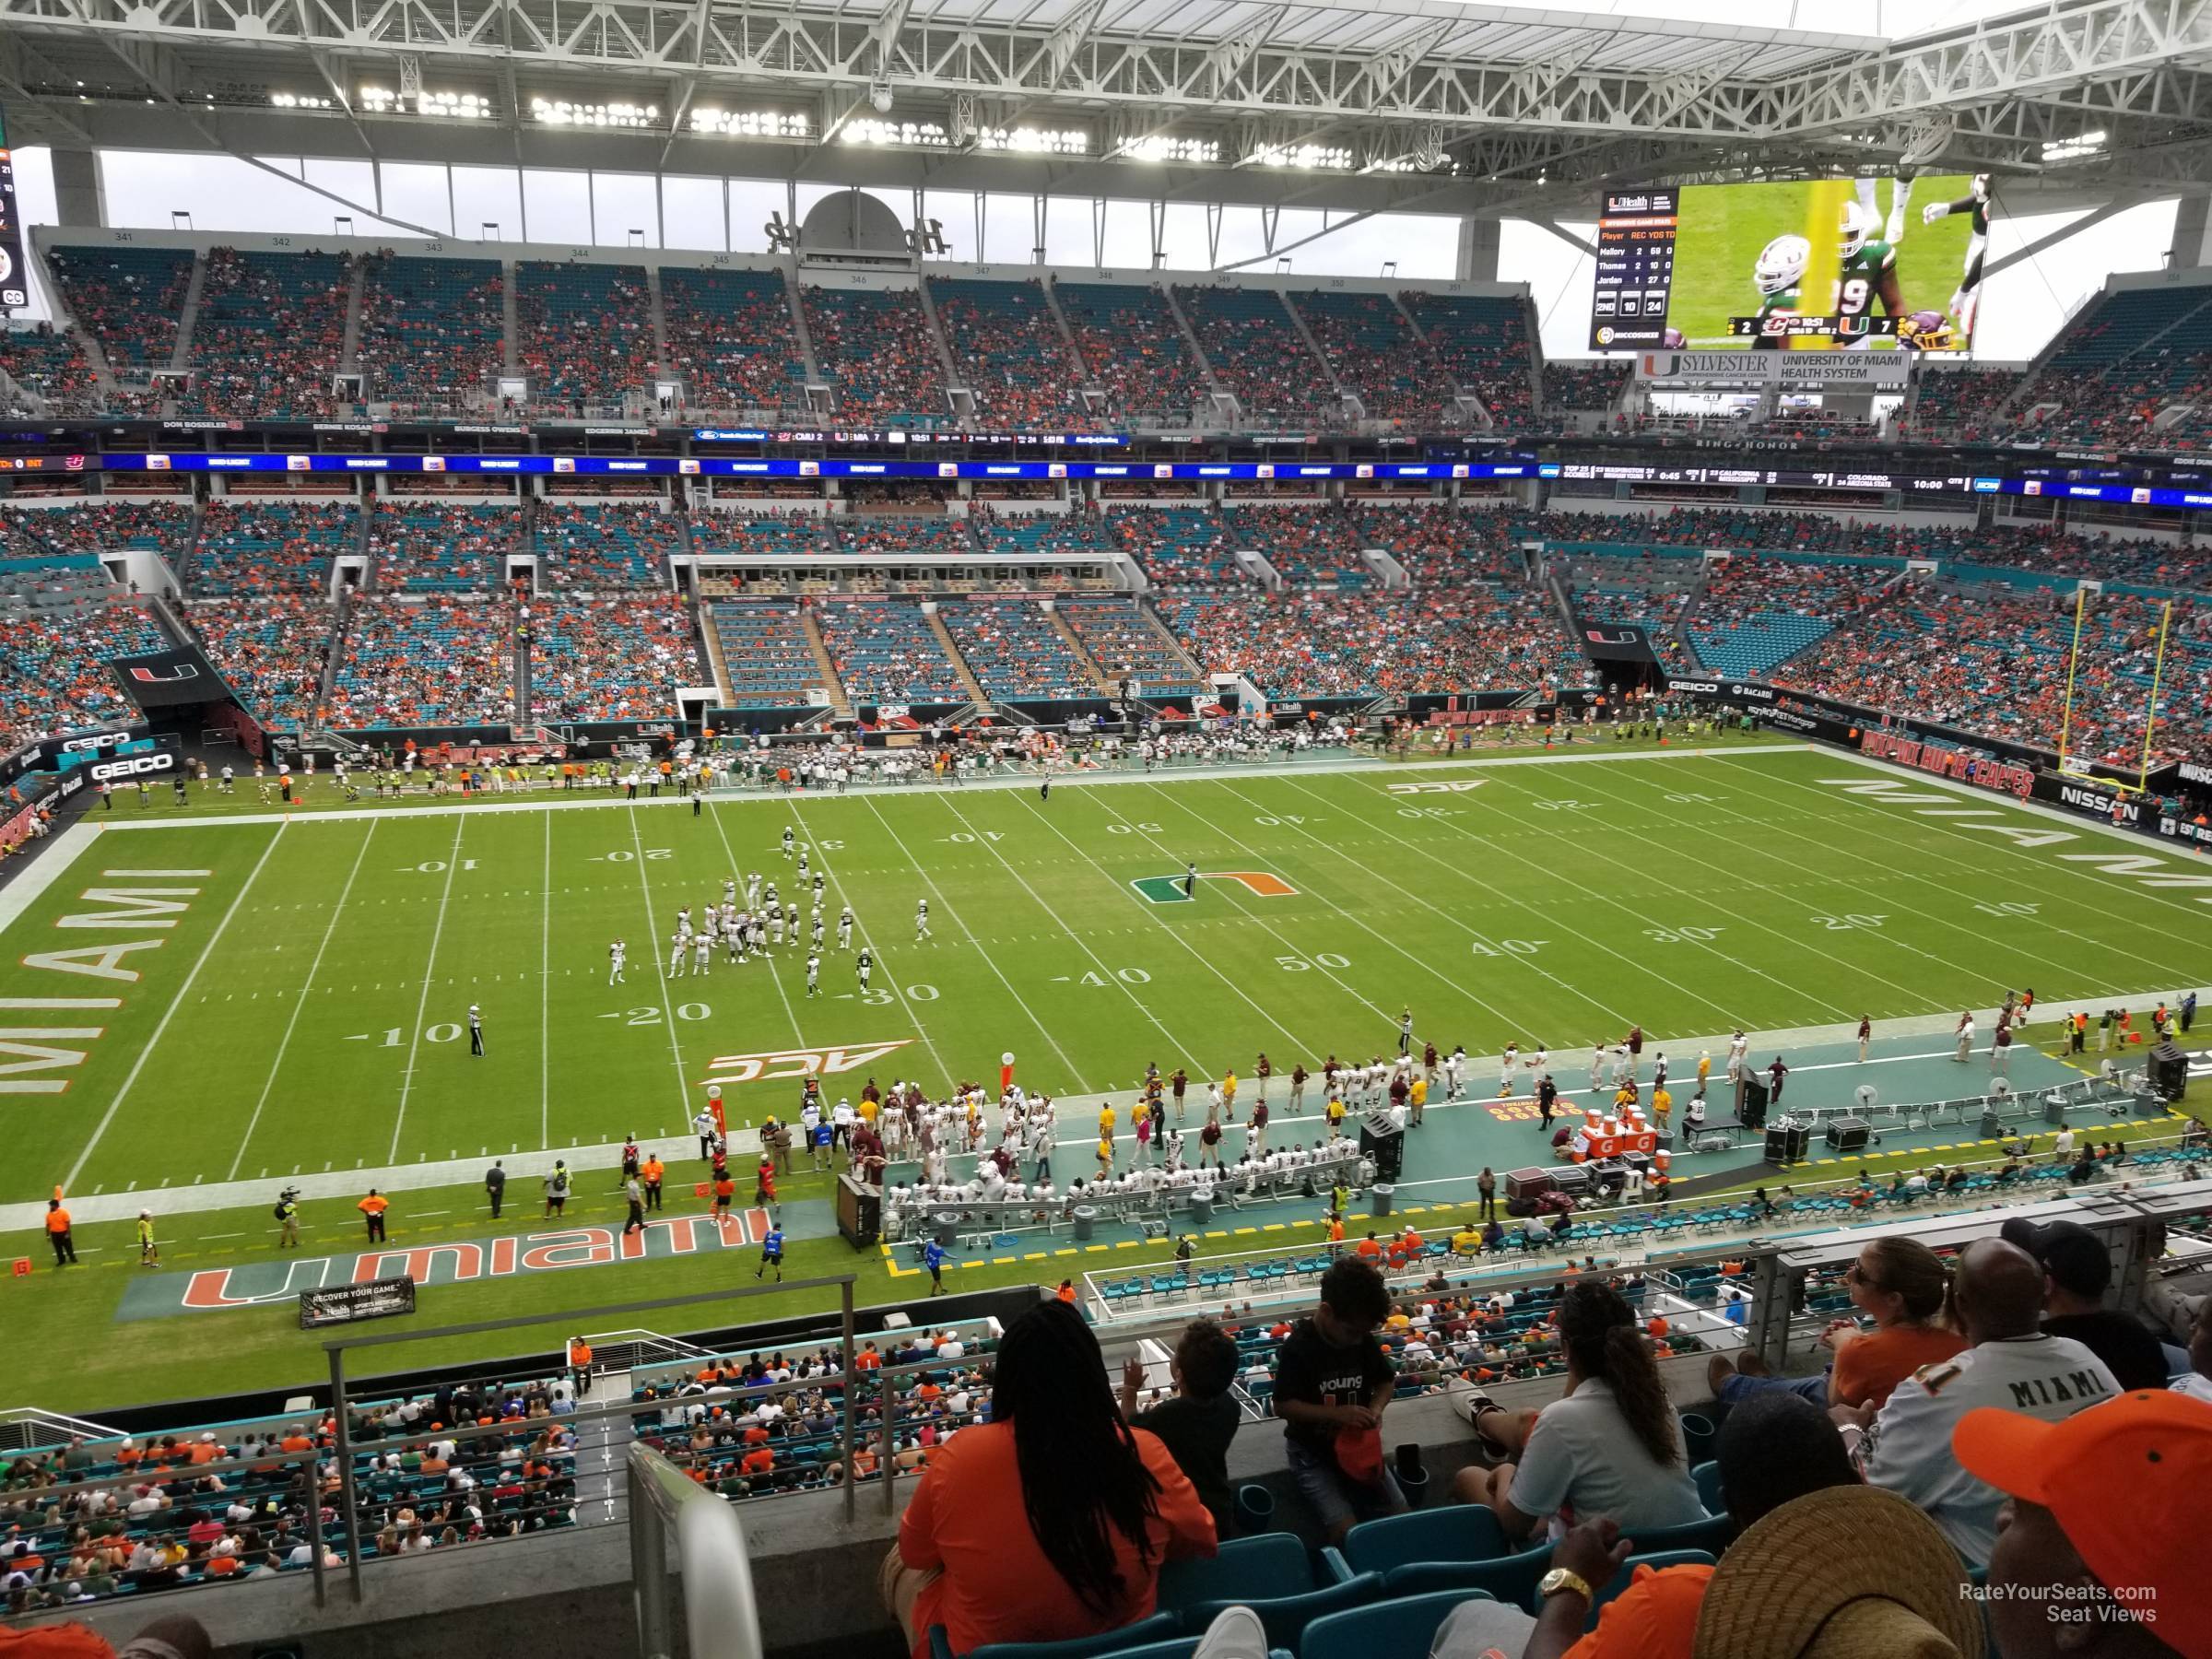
214	1002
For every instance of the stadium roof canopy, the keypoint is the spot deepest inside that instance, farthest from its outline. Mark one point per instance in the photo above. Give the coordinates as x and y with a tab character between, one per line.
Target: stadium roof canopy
1426	105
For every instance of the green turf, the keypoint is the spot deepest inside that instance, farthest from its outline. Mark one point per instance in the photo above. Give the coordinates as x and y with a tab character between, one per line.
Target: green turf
1722	228
274	1024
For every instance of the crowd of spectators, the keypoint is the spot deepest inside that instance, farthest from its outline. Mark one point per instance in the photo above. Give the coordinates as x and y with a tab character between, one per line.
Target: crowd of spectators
885	650
1007	349
875	346
1306	645
1010	535
1961	405
431	329
271	649
433	660
1307	546
1014	651
128	297
1123	638
1483	344
604	546
879	534
765	654
1177	544
46	362
416	547
793	531
1131	345
1376	354
731	340
1999	665
269	335
95	525
54	666
1592	386
609	658
1252	342
270	545
1657	610
1755	613
583	332
1440	545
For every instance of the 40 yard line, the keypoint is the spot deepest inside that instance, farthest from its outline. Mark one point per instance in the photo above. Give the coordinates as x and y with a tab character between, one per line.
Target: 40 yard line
652	928
422	1003
284	1041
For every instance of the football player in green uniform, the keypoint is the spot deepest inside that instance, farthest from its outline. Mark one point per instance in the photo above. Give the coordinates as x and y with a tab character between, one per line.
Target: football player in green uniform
1868	272
1779	274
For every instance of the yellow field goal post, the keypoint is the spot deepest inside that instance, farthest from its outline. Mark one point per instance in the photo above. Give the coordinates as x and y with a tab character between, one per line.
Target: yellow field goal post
2068	764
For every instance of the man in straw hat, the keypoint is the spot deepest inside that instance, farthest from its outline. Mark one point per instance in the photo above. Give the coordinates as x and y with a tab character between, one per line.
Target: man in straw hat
2100	1554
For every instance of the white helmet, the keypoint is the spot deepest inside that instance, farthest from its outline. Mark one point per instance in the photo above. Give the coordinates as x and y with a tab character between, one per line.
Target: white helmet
1858	227
1782	263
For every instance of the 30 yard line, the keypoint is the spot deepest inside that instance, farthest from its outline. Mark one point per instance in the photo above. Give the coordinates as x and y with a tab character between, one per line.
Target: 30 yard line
284	1041
422	1004
652	928
990	960
869	938
177	1002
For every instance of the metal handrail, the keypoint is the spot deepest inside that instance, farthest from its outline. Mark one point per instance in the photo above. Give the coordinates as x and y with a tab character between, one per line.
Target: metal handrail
721	1616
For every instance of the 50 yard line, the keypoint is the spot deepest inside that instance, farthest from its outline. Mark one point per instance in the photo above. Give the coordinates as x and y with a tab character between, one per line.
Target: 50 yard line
422	1004
284	1041
652	928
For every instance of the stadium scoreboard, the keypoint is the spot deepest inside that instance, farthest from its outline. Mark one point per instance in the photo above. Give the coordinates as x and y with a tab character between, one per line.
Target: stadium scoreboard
1789	325
1635	276
15	279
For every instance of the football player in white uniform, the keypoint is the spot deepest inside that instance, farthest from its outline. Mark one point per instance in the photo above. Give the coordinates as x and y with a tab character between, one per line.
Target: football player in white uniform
676	955
921	920
813	973
866	964
844	929
615	954
787	841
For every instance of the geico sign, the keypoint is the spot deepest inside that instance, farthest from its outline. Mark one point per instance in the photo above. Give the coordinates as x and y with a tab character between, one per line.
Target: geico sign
94	742
133	766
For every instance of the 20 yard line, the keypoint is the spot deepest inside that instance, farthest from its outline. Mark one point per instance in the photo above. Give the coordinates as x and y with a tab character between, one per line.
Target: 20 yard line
289	1025
652	928
422	1003
138	1065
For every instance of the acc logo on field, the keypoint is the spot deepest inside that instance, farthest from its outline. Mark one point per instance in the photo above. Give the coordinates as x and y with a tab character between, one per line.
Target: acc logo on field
780	1064
1442	786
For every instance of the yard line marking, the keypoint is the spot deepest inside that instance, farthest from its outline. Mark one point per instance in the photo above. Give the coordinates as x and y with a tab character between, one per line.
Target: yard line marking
284	1043
1868	810
545	980
407	1081
1981	940
176	1002
1244	908
1550	918
990	961
1173	933
1106	973
676	1054
1808	943
775	979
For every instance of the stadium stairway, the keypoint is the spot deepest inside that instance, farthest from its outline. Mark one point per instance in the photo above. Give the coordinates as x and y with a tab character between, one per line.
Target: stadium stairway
188	314
955	382
804	335
659	315
510	329
350	346
1190	338
952	654
1320	358
839	704
65	321
1075	647
709	651
603	1450
1067	334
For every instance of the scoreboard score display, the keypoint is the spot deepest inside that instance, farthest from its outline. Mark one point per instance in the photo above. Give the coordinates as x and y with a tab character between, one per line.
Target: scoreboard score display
15	279
1635	276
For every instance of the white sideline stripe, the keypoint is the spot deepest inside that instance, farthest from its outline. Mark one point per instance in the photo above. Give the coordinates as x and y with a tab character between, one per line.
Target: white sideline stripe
681	1151
49	867
291	1024
168	1014
1412	769
422	1003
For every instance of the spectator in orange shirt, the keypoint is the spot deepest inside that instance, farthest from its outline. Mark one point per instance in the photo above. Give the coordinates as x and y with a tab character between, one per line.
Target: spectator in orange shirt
373	1210
1050	1521
1370	1248
1066	1292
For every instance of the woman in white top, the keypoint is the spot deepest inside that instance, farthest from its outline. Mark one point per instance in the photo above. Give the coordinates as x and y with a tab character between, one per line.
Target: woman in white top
1611	1446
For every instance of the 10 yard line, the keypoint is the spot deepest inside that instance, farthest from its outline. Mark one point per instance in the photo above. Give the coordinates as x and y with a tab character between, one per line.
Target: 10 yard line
422	1004
290	1025
137	1066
